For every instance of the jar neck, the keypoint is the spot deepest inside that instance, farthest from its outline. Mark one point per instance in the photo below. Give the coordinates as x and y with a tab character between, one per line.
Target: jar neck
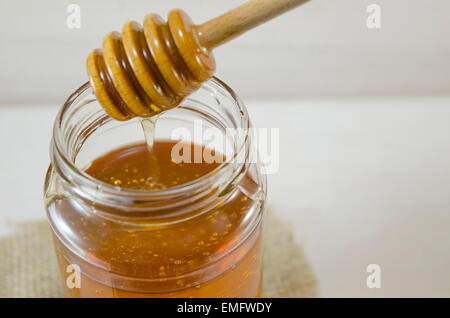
81	120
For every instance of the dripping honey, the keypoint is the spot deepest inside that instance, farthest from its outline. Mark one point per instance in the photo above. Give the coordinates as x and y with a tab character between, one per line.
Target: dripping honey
158	261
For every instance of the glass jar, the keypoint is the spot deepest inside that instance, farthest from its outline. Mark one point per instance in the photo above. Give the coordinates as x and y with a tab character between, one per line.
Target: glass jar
108	239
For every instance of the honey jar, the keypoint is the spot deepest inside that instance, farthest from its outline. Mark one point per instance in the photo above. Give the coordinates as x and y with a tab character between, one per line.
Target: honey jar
130	221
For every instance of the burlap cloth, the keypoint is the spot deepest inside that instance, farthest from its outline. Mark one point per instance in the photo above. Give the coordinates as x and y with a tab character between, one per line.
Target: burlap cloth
28	265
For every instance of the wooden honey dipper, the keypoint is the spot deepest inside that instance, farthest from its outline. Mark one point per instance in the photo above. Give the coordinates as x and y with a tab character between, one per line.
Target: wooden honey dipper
153	67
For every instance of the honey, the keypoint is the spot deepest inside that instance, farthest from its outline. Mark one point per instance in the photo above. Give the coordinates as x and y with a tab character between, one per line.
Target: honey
134	222
161	252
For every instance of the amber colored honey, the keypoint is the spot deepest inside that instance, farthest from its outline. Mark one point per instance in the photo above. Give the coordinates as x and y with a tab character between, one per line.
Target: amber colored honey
156	261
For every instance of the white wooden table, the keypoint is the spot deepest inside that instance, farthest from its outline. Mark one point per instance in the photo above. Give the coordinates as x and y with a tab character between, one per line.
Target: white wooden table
361	182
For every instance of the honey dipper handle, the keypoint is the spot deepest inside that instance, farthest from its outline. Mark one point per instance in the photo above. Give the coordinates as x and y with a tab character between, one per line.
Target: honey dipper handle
230	25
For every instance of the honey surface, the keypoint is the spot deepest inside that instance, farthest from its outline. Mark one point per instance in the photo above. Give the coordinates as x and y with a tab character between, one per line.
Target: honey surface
147	260
134	167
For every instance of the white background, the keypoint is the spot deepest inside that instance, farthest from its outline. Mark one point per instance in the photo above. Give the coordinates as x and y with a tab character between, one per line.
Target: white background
322	49
363	115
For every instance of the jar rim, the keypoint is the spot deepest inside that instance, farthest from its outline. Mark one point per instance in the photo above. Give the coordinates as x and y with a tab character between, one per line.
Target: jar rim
79	177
